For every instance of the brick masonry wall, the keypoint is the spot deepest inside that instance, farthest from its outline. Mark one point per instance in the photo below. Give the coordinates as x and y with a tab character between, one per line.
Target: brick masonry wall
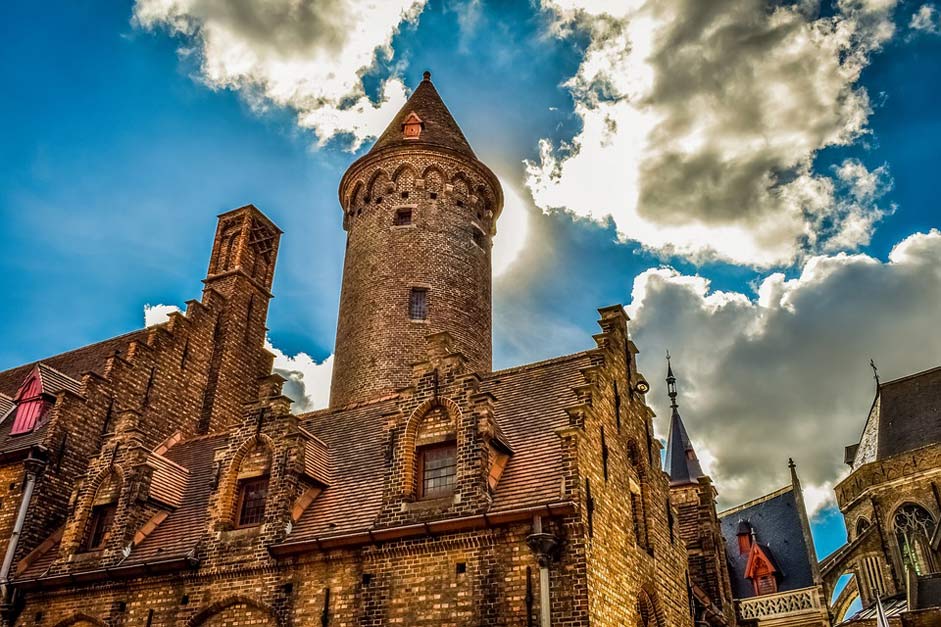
446	250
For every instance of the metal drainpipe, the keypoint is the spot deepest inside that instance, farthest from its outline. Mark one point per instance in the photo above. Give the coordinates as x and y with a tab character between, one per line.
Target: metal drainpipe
33	467
544	545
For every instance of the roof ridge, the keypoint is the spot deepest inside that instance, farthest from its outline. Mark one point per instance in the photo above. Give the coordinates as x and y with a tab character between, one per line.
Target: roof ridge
757	501
909	376
538	364
73	350
329	410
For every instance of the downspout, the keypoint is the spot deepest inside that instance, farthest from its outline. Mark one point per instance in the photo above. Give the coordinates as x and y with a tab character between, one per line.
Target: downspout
545	546
34	467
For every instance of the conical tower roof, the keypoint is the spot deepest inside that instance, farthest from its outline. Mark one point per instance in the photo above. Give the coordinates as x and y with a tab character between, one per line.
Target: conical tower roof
681	462
438	127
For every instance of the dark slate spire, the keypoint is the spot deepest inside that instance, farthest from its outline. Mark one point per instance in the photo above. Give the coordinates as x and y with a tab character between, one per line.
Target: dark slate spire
681	462
438	127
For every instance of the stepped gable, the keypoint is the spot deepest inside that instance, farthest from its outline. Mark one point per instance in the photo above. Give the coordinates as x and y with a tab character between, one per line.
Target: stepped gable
184	476
61	372
776	522
905	415
438	127
529	408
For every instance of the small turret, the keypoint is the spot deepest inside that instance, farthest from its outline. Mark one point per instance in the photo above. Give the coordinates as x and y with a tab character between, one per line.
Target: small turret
681	462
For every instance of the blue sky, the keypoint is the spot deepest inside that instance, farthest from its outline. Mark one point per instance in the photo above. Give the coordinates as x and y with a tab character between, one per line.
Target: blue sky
121	146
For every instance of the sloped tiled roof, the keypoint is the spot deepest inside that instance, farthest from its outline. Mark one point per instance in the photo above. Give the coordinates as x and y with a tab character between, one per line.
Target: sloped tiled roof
185	526
168	484
345	450
74	363
905	415
777	525
529	408
439	127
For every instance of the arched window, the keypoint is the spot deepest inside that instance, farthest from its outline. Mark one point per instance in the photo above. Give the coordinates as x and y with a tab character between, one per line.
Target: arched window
914	527
435	455
861	525
254	473
103	510
646	613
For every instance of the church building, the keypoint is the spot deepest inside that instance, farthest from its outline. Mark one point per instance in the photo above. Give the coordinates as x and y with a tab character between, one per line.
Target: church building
160	478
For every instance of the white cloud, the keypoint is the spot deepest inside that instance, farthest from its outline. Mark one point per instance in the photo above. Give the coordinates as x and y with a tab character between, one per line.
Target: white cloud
785	370
308	56
701	122
926	20
158	314
512	228
307	382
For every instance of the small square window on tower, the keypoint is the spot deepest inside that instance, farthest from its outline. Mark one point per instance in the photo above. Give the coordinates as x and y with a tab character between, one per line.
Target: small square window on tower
418	303
403	217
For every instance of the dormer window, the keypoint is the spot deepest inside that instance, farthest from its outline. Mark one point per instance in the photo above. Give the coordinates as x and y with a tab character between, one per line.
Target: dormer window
101	518
437	470
31	405
252	496
103	510
413	126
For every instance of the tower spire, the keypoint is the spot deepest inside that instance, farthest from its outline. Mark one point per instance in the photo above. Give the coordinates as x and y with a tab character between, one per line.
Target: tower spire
681	462
671	383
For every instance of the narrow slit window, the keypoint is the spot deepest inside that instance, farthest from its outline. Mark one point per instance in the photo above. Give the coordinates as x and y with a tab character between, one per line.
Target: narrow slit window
403	217
101	518
418	303
438	470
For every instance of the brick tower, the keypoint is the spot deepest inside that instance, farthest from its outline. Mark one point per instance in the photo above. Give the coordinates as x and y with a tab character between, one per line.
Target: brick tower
420	211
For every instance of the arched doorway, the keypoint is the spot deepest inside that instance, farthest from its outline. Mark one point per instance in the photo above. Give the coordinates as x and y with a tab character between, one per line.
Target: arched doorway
914	526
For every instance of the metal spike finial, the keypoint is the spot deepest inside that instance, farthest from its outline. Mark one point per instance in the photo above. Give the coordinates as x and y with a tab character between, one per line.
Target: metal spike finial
875	371
671	382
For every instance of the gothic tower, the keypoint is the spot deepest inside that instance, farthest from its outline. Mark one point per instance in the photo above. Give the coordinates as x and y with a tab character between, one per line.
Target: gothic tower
420	211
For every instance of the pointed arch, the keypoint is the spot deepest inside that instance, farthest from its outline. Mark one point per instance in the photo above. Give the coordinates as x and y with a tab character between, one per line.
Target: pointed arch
100	509
233	477
913	527
80	619
434	179
648	613
217	610
404	178
379	185
355	199
411	440
461	185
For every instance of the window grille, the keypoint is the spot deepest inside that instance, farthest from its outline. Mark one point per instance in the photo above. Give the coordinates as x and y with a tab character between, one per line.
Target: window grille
252	495
438	470
418	304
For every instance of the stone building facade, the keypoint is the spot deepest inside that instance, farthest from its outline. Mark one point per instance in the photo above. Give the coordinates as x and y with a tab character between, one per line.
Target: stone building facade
891	503
161	478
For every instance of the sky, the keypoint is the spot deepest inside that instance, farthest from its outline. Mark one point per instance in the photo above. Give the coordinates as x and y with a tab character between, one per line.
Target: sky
755	181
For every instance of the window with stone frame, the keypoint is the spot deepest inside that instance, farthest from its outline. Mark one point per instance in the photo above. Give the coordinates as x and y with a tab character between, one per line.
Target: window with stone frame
437	470
914	527
402	217
253	493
